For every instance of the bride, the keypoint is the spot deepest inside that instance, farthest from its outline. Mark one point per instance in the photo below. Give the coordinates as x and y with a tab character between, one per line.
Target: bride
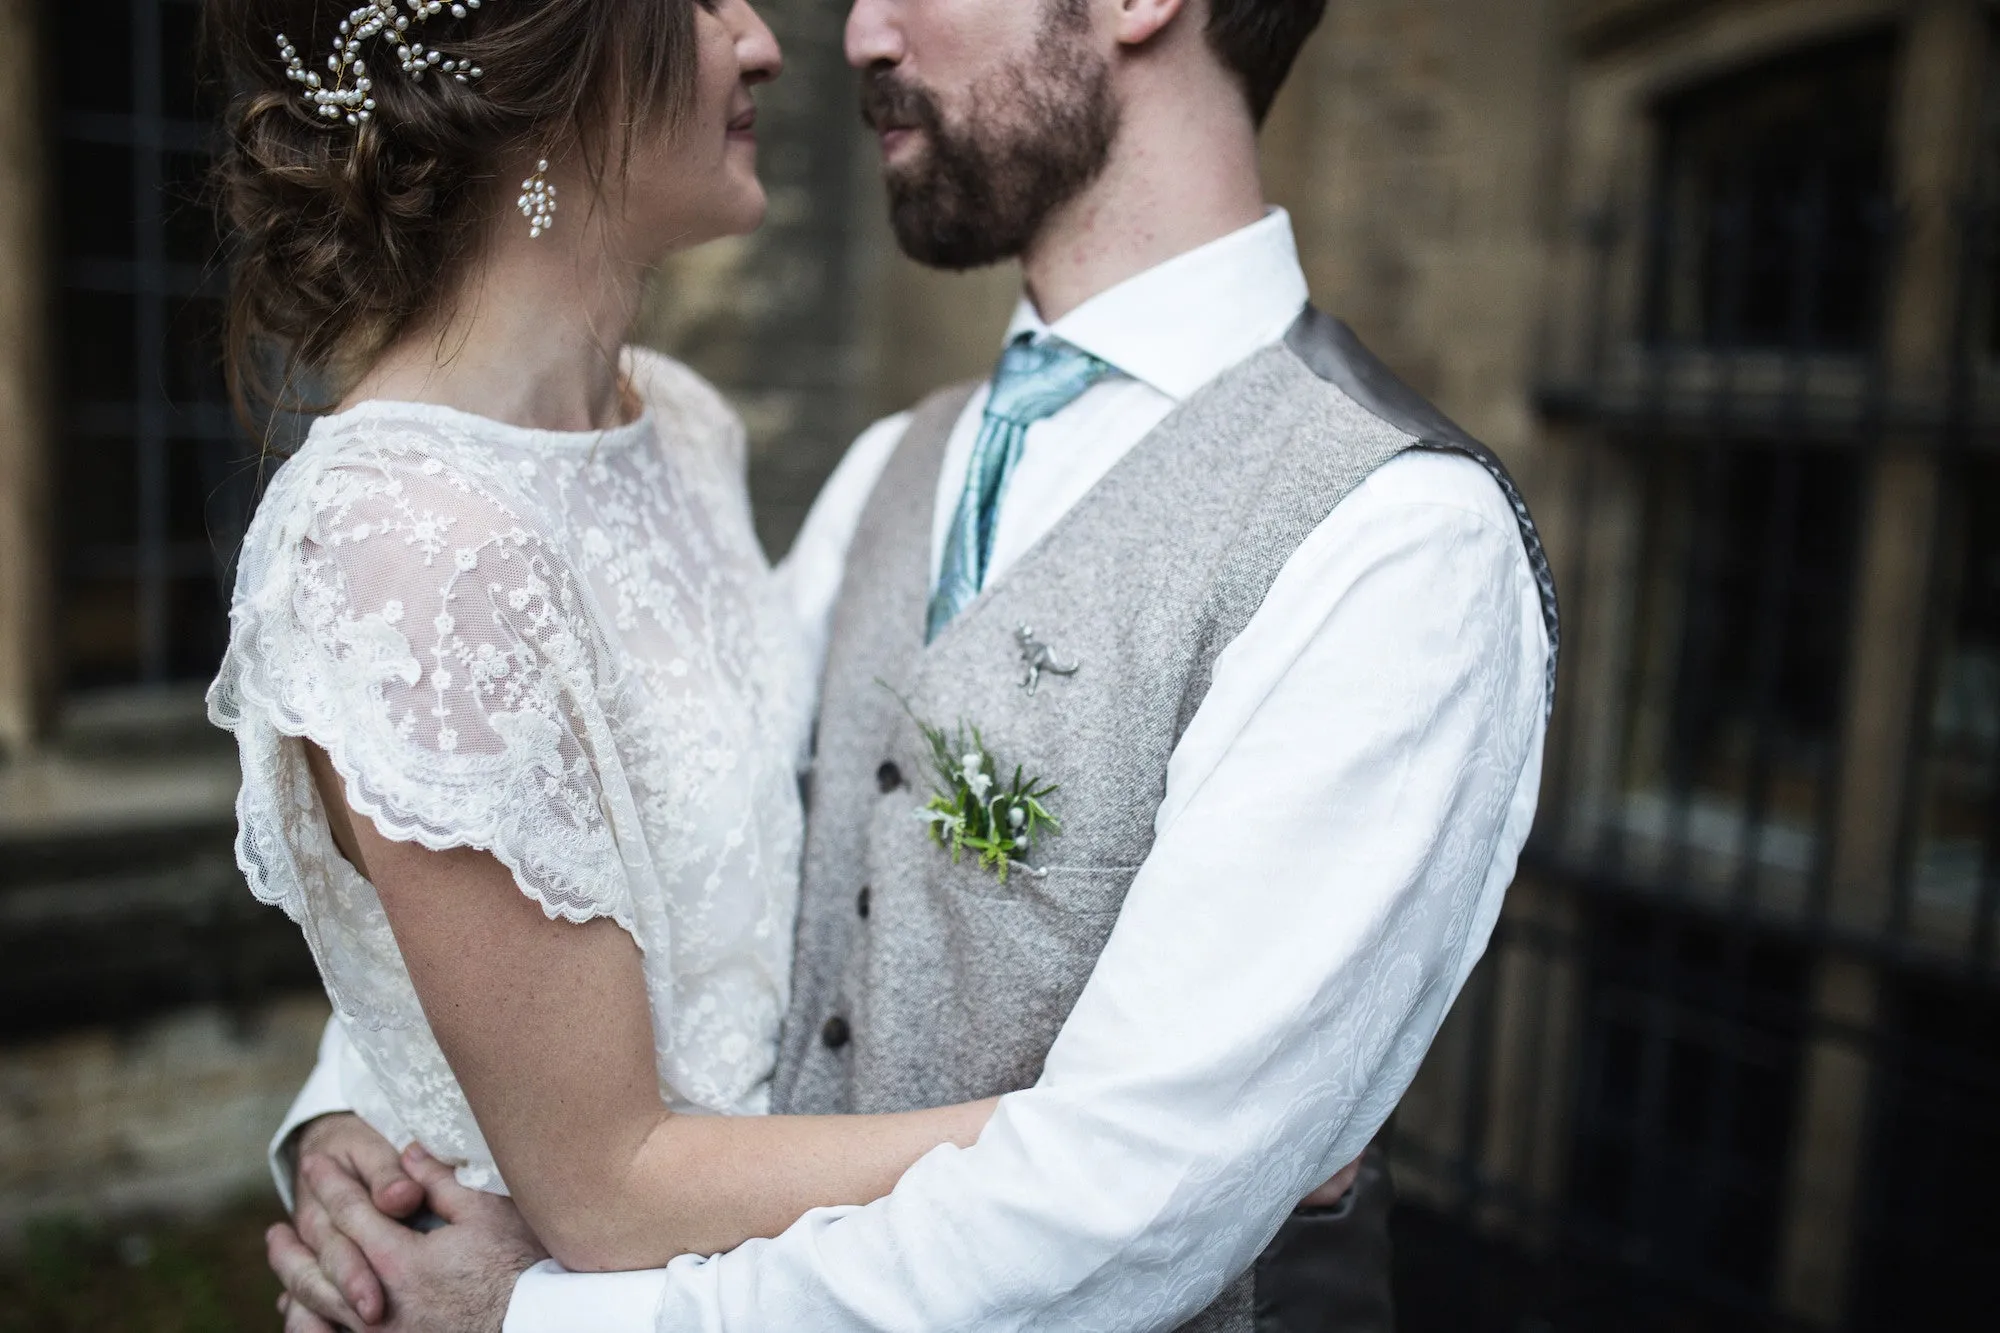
519	703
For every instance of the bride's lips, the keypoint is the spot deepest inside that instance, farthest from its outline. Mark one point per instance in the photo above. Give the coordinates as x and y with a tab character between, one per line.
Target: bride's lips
744	125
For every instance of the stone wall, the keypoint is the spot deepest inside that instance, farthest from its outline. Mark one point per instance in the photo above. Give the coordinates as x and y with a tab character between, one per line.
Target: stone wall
171	1116
1414	148
772	318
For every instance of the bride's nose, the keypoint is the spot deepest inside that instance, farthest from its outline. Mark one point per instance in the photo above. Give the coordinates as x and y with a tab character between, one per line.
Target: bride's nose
757	51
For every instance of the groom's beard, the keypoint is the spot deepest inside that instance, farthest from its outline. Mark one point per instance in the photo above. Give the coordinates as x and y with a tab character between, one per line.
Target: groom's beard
1033	139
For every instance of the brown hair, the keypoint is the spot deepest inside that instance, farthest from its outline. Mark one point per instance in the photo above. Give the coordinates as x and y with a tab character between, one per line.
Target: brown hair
343	238
1259	40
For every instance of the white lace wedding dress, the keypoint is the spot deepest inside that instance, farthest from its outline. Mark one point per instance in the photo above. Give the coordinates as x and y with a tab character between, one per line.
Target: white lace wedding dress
565	649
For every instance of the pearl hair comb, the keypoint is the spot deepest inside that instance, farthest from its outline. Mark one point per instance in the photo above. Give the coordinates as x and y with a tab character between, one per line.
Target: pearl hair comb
336	98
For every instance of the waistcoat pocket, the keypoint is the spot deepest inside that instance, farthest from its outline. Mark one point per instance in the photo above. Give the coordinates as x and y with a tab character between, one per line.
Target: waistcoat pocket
1081	890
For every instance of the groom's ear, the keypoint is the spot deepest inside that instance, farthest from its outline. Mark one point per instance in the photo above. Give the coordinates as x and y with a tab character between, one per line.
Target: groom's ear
1136	22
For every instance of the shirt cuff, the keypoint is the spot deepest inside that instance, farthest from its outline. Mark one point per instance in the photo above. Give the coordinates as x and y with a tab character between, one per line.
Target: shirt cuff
322	1095
548	1298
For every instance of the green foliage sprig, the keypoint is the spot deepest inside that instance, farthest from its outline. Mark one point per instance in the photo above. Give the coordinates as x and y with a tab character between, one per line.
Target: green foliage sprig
970	810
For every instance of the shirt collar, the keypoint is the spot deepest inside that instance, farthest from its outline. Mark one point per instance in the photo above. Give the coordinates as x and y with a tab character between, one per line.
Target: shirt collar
1180	324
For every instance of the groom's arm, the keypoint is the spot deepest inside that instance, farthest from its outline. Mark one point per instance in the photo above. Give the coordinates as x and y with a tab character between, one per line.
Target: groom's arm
1342	820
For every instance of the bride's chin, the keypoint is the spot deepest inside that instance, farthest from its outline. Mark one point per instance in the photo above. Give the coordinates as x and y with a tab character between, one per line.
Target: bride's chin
748	216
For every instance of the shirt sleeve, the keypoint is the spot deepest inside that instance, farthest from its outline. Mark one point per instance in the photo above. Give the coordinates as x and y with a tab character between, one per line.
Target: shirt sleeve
321	1095
1342	819
548	1298
812	571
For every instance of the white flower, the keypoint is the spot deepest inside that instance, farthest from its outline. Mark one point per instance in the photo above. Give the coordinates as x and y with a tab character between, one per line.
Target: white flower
467	559
980	784
1017	817
392	611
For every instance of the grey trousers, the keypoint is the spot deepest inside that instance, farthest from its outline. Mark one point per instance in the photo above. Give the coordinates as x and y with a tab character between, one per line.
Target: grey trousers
1328	1269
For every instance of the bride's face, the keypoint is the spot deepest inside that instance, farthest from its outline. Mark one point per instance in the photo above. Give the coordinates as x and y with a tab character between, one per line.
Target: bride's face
698	180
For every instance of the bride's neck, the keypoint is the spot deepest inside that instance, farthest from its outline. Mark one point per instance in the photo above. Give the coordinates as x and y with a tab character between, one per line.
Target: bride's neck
530	337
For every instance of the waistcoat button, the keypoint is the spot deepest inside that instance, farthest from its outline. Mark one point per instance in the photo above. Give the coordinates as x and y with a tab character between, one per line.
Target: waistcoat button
861	903
888	777
836	1033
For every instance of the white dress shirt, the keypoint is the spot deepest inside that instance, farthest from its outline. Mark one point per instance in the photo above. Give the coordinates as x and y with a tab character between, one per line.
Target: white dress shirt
1342	818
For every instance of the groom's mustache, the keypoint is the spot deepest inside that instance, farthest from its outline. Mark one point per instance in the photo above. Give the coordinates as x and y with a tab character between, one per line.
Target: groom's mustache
889	102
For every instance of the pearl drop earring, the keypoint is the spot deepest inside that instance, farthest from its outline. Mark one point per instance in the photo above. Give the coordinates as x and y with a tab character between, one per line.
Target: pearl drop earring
538	201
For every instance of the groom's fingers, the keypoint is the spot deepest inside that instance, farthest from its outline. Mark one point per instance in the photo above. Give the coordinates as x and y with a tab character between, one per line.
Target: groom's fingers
448	1199
339	1258
312	1295
382	1239
381	1170
354	1145
298	1319
1331	1193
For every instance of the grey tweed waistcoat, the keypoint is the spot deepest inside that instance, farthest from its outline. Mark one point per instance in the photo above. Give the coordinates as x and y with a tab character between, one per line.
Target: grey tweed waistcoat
921	983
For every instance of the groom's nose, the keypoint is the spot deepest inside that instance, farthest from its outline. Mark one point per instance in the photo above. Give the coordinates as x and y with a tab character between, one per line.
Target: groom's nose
875	33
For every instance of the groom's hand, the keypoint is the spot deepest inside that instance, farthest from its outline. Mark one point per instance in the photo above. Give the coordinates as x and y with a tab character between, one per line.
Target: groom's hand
1331	1193
316	1256
457	1278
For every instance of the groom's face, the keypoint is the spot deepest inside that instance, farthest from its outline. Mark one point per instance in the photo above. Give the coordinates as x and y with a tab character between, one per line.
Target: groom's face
992	113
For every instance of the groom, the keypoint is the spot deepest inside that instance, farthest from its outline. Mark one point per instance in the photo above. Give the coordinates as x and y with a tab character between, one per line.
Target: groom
1281	636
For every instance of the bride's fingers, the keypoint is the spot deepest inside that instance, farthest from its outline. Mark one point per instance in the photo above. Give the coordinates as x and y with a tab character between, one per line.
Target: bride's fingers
312	1294
340	1259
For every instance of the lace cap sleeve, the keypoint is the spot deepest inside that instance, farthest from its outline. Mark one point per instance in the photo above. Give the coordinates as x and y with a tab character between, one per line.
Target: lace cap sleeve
412	623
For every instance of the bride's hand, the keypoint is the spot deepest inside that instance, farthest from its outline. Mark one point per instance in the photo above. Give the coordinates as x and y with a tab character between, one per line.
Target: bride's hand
312	1256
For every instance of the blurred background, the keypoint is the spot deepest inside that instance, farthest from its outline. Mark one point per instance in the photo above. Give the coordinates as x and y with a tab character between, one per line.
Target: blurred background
1716	277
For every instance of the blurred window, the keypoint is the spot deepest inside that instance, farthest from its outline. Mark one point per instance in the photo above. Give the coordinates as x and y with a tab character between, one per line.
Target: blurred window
149	454
1929	1233
1747	559
1771	219
1689	1079
1954	895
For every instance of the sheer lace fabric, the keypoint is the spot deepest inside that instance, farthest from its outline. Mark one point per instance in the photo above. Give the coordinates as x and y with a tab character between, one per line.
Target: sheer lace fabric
565	649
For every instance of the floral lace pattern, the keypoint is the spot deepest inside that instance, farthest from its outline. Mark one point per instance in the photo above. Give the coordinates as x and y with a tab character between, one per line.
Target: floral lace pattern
565	649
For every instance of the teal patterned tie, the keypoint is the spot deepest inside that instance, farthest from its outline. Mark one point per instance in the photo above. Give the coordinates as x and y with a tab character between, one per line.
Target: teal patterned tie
1036	380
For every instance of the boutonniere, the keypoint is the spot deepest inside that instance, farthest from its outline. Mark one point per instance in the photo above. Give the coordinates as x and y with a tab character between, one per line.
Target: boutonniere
971	810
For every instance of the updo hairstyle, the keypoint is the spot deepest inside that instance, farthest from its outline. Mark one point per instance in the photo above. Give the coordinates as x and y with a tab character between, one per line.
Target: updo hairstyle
345	236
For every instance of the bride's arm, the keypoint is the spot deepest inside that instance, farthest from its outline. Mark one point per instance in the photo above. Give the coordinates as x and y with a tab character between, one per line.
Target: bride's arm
547	1028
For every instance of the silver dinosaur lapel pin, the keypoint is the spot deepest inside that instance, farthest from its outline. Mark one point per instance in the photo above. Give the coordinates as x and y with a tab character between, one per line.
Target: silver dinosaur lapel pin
1038	659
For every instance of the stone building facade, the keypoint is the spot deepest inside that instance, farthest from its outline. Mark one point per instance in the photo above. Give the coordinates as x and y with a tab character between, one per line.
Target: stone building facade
1714	276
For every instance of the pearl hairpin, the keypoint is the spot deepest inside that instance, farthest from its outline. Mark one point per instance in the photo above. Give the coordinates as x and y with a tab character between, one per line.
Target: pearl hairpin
353	103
